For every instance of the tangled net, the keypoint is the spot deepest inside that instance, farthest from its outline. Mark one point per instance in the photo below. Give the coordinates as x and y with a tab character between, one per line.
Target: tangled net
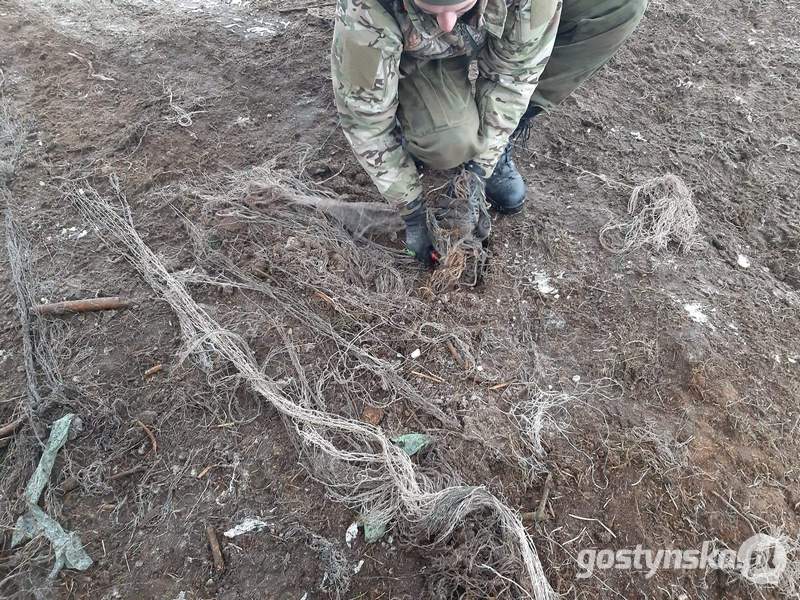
452	222
355	461
662	211
12	133
359	218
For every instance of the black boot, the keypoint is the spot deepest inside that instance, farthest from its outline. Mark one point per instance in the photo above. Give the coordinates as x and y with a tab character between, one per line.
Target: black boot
505	189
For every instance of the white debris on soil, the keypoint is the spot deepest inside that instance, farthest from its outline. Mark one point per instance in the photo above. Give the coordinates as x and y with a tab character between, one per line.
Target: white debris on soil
357	568
268	29
245	526
743	261
696	313
351	534
416	353
637	135
542	281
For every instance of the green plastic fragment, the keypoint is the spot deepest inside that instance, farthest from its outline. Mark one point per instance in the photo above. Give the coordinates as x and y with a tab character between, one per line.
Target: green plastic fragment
58	437
373	531
67	546
411	443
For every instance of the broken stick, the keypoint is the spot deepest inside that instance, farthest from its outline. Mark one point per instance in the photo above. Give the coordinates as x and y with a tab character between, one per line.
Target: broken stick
69	484
132	471
150	435
289	9
540	515
454	353
216	551
153	370
9	428
81	306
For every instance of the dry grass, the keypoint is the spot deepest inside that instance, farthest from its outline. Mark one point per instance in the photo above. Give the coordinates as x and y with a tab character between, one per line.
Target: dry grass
661	212
535	416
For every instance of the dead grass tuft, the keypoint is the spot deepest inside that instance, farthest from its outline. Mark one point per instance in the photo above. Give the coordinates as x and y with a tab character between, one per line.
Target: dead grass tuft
662	211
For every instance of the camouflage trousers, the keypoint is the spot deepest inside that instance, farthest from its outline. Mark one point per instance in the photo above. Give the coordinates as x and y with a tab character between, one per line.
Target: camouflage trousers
438	114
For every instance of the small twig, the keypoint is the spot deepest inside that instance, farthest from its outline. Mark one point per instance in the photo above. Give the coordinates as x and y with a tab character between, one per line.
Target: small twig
496	573
132	471
604	178
81	306
216	551
603	525
454	353
153	370
500	386
205	471
539	515
92	73
290	9
10	428
433	378
740	513
325	298
149	434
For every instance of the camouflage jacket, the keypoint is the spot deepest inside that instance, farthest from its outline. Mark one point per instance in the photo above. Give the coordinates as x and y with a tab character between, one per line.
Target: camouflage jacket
372	49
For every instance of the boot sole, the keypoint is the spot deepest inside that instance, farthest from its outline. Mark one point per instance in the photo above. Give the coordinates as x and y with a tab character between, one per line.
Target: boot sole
507	210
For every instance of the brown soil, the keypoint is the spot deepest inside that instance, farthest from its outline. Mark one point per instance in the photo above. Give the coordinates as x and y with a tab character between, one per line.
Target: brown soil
667	425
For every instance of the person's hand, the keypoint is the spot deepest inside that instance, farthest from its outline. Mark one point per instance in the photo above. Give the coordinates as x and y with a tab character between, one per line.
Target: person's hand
419	243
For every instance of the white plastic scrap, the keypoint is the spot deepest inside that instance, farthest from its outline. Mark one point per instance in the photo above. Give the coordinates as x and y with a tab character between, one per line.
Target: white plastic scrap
245	526
542	281
351	534
695	312
357	568
743	261
416	354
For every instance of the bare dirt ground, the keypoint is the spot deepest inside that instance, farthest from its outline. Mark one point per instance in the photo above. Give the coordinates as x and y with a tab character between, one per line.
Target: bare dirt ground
658	390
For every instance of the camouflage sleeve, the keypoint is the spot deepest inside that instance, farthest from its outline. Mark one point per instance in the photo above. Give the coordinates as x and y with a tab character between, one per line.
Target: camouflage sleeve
365	61
509	69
